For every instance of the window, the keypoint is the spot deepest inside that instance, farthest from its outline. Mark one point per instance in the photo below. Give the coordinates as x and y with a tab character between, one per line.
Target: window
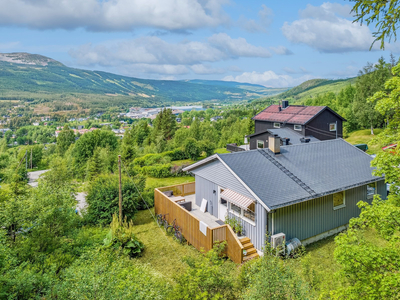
339	200
236	209
260	144
223	202
277	125
371	190
332	127
248	214
297	127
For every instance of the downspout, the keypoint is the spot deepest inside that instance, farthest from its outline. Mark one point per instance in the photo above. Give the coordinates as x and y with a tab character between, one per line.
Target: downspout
272	222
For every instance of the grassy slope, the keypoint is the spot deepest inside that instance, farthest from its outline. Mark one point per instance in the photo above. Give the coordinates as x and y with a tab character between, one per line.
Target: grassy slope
162	252
364	137
310	88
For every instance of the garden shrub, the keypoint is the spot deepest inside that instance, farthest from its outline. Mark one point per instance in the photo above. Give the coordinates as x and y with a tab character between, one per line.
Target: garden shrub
103	198
157	171
121	237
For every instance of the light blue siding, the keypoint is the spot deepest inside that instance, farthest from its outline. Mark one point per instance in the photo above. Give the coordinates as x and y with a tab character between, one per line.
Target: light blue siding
205	189
216	172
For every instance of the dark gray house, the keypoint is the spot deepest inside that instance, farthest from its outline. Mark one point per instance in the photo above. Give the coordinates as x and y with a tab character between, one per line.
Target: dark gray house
306	191
295	122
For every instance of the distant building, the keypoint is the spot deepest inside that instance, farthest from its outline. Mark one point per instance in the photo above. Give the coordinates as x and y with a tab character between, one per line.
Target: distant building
214	119
35	124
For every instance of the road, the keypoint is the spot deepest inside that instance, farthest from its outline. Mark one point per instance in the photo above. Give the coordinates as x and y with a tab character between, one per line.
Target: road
34	176
33	181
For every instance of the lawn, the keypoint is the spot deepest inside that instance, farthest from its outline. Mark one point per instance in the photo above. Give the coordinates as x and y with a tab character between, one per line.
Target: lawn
152	183
162	252
221	151
364	137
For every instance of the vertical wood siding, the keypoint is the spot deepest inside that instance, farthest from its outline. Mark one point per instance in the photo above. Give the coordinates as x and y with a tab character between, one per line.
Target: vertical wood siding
255	233
204	189
313	217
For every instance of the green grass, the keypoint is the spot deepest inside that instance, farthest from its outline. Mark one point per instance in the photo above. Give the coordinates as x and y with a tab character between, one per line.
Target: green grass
221	151
364	137
152	182
182	162
162	252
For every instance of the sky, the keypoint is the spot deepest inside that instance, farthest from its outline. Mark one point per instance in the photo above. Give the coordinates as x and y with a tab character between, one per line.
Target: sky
272	43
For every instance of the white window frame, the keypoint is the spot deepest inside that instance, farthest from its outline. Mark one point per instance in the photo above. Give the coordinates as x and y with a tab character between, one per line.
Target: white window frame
261	141
297	127
334	124
375	191
277	125
341	205
241	216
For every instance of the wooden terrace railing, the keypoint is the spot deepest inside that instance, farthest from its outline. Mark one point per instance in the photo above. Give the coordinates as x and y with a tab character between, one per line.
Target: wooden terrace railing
190	225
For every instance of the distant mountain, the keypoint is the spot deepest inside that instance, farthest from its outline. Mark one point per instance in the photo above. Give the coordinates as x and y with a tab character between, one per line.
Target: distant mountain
308	89
34	77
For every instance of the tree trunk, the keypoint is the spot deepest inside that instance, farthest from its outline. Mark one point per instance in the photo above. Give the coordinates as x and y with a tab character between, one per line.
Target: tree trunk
372	130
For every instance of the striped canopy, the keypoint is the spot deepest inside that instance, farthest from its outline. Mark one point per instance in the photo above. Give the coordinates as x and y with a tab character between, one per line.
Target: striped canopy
236	198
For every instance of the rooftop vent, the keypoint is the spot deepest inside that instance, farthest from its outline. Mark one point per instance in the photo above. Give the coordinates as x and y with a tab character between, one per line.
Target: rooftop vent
285	141
304	140
274	144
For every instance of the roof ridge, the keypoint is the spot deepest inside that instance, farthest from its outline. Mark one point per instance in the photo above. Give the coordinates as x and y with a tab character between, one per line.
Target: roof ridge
287	172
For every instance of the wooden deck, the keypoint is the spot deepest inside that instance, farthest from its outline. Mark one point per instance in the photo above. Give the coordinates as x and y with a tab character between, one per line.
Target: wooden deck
190	225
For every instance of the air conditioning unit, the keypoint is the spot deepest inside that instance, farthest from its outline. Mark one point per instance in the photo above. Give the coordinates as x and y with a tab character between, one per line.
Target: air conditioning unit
278	242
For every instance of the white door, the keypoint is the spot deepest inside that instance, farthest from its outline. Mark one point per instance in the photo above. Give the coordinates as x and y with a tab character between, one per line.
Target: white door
222	209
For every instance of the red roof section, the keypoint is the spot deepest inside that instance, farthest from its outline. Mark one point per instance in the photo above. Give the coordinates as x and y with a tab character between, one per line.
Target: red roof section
292	114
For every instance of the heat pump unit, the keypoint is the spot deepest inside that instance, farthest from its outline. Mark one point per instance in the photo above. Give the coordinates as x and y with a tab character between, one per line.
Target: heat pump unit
278	242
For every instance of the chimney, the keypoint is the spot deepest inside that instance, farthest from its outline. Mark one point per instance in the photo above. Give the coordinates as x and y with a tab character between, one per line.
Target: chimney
279	108
285	103
274	144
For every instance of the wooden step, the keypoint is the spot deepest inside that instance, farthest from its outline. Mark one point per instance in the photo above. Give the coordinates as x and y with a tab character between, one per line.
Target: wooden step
248	246
244	240
251	251
248	257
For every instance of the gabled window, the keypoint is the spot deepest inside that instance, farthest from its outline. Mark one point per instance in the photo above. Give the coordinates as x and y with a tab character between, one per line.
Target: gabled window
260	144
332	127
277	125
297	127
339	200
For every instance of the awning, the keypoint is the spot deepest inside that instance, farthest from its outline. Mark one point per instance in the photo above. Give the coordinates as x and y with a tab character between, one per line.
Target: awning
236	198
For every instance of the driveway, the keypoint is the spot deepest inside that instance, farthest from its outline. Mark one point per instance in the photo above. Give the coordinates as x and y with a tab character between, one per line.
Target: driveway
34	176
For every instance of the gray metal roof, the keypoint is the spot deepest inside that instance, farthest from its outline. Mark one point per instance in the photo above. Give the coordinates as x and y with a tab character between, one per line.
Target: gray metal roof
301	172
291	134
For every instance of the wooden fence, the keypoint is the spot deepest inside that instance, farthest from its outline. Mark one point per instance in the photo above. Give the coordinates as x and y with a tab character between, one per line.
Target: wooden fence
190	225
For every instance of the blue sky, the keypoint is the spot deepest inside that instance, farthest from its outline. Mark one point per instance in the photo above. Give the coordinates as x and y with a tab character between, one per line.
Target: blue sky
273	43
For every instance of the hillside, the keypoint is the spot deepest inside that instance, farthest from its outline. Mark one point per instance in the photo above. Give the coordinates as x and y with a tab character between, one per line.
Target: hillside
308	89
30	76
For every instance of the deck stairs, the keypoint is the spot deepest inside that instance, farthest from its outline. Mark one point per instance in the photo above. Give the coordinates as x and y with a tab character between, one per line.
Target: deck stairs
249	247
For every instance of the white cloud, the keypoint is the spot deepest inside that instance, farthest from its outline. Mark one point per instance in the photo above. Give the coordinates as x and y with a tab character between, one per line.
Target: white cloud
269	79
205	69
265	17
144	52
281	50
326	29
237	47
121	15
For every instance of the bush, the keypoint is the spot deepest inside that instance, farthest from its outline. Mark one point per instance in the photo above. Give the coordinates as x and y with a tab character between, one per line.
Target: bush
109	275
191	149
121	237
270	278
157	171
103	198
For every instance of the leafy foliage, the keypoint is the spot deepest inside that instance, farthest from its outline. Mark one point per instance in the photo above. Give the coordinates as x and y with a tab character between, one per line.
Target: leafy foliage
103	198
